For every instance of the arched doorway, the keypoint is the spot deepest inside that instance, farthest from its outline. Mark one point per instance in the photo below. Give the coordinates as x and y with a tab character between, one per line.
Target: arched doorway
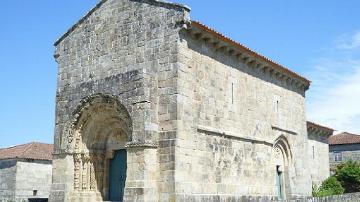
281	158
102	129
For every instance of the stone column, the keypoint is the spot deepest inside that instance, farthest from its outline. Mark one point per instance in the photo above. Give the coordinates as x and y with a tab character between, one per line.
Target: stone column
142	172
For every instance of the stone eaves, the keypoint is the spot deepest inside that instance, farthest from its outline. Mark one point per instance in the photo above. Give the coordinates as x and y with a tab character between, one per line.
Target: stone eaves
247	55
319	129
97	6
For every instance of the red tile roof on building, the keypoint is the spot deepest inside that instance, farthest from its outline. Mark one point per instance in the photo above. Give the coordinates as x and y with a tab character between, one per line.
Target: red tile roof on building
33	151
249	51
344	138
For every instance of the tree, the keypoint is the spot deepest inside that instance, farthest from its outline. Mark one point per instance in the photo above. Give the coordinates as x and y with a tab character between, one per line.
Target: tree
348	175
331	186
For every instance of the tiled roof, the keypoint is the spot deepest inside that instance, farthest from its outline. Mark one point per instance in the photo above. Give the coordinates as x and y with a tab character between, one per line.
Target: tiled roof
344	138
33	150
249	51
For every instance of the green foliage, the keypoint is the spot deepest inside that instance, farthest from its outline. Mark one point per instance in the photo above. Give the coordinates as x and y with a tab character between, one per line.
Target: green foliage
331	186
348	174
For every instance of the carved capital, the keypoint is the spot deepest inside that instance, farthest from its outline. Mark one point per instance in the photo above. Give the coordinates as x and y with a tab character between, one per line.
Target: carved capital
146	144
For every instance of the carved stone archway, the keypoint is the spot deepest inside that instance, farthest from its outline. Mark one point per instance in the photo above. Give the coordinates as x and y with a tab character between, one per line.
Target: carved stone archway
102	126
281	161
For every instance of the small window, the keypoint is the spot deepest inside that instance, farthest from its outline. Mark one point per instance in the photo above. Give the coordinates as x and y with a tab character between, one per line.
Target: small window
232	93
35	192
338	156
313	152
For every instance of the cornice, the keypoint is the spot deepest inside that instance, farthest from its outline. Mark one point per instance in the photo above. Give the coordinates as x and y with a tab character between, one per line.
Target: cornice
247	56
319	130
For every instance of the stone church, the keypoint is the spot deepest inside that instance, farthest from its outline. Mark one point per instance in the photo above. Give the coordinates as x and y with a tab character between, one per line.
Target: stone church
152	106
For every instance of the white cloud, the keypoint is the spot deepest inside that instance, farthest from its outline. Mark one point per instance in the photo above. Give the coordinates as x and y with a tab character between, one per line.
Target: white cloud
334	97
347	42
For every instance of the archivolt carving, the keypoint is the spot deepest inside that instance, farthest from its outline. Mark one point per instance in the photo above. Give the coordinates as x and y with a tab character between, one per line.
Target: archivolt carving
281	146
96	119
87	107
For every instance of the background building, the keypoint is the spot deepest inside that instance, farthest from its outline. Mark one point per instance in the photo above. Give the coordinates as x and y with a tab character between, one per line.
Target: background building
25	172
319	151
344	147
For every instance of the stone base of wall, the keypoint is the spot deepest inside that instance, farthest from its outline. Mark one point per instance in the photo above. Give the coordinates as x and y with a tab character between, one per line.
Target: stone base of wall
353	197
223	198
12	200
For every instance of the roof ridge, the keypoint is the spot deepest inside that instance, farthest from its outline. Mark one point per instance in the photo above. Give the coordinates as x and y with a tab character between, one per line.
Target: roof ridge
28	147
347	133
14	146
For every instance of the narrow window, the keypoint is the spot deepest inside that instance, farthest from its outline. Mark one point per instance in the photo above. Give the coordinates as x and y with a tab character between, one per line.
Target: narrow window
232	93
313	152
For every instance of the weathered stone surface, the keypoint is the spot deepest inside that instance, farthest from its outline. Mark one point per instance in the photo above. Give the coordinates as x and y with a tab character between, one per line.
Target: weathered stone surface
198	124
124	51
20	178
230	121
319	157
7	179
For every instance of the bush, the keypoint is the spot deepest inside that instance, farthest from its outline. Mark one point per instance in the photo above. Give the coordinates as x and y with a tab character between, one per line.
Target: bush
331	186
348	175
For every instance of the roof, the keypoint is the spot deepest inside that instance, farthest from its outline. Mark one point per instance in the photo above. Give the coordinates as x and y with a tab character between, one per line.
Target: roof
319	129
344	138
206	29
249	51
33	150
101	2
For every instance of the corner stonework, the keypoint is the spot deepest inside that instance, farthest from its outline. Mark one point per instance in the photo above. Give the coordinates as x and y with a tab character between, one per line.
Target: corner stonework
112	94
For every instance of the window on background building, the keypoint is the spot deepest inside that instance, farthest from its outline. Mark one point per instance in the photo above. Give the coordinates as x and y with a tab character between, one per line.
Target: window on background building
338	157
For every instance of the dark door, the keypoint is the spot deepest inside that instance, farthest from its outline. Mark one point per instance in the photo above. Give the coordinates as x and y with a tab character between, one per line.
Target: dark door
117	176
279	183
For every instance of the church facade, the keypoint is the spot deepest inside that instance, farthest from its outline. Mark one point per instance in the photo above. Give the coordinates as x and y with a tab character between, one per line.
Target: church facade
152	106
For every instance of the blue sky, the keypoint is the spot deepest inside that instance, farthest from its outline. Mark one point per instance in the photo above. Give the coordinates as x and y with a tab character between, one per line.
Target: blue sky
319	39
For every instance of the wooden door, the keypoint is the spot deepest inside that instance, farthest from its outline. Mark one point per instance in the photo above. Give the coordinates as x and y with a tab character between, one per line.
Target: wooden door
117	176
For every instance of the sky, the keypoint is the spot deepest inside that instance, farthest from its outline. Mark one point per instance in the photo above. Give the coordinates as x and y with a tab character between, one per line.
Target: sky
318	39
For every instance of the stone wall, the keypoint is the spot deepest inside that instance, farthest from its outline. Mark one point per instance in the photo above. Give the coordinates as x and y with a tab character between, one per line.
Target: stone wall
7	179
203	124
126	50
347	152
19	178
33	175
230	118
353	197
319	157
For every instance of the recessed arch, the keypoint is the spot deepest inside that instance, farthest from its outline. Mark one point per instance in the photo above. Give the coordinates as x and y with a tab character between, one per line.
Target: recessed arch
101	126
282	143
282	157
